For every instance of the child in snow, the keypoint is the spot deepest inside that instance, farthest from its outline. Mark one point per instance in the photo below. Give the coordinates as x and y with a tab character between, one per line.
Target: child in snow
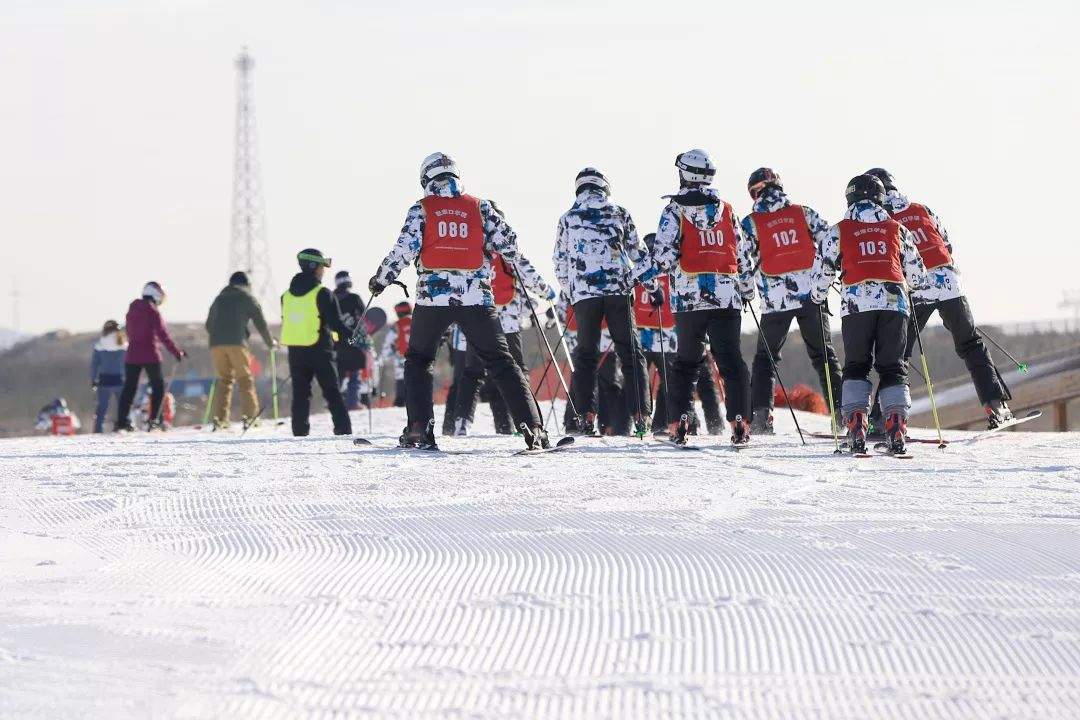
107	369
57	419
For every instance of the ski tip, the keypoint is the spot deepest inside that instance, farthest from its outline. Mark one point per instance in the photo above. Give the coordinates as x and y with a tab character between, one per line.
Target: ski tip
564	441
361	441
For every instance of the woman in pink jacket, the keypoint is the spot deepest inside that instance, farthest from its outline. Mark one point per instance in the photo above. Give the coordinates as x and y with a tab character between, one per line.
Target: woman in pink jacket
145	328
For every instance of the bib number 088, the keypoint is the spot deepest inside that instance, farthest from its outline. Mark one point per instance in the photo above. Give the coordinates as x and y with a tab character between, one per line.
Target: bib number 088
453	229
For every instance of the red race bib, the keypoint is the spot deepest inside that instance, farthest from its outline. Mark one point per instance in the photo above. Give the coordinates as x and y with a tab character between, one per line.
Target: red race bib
645	315
870	252
404	326
784	241
453	233
711	250
932	247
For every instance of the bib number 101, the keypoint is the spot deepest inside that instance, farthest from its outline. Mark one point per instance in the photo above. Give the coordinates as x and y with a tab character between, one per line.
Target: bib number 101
711	238
453	229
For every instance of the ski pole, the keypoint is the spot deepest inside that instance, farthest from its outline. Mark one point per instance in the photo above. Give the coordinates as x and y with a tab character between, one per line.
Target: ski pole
547	344
828	380
926	373
538	326
273	380
1021	366
635	346
663	362
251	423
165	391
775	369
209	401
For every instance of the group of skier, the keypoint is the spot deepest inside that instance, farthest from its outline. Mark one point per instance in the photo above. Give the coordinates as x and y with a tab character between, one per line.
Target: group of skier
629	303
665	300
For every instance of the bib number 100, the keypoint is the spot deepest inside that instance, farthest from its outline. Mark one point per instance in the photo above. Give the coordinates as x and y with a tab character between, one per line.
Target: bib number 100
453	229
711	238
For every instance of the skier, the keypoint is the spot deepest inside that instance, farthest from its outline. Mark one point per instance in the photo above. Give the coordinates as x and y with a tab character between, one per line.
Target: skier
145	329
452	238
351	356
107	369
512	306
874	255
700	244
57	419
945	294
395	347
661	346
309	314
598	260
785	246
227	324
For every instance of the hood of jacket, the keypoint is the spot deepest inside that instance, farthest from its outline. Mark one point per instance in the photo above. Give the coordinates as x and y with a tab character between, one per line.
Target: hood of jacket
303	283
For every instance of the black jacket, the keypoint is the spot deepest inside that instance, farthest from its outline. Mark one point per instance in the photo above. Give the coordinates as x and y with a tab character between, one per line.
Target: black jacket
352	309
329	312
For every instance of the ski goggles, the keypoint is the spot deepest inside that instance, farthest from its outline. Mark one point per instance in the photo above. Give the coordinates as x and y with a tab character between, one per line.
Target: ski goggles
324	261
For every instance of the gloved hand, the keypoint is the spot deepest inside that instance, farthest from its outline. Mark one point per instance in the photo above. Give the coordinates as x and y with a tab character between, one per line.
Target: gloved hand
550	315
656	298
93	385
551	294
181	354
375	286
274	344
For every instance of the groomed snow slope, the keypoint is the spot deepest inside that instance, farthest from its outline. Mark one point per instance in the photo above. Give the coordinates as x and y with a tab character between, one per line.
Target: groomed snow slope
193	575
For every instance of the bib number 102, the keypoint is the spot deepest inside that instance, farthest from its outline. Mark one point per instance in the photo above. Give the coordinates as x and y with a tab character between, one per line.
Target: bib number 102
786	237
873	247
453	229
711	238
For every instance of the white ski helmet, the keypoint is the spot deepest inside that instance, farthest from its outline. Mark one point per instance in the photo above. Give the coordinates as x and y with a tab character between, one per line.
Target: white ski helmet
153	291
591	176
695	166
437	164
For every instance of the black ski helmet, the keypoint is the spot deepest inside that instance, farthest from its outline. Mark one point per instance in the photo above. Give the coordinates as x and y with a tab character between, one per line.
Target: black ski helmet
884	176
343	279
239	278
865	187
311	258
760	179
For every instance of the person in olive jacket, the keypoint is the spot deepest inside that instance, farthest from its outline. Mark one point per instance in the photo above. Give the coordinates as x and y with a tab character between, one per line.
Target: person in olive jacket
227	323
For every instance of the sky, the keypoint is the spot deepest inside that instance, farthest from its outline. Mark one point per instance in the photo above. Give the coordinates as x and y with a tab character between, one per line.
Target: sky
117	124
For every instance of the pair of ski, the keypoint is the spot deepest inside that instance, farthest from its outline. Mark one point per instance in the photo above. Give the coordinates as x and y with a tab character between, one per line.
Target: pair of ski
1012	422
563	444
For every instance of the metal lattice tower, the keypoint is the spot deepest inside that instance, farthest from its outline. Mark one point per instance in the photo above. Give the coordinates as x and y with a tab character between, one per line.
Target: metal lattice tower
249	250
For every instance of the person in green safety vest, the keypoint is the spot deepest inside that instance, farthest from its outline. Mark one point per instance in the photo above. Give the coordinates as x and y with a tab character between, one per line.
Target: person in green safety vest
309	317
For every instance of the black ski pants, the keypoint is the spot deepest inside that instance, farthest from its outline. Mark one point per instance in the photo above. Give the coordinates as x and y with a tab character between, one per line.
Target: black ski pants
315	363
590	314
958	320
722	329
132	373
774	331
474	375
457	363
484	334
877	339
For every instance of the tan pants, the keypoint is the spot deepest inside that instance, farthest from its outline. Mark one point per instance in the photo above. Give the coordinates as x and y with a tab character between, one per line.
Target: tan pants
233	362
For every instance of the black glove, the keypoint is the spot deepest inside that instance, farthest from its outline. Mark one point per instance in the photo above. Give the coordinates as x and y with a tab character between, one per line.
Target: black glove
656	298
93	385
375	286
180	355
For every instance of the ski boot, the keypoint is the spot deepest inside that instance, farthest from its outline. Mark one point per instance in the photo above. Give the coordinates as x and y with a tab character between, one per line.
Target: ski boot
461	427
125	426
677	431
247	423
419	437
715	425
896	434
762	424
997	412
535	438
587	425
216	425
740	431
158	426
856	437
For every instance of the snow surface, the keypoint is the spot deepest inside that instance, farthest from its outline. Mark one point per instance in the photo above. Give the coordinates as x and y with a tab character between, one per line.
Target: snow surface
197	575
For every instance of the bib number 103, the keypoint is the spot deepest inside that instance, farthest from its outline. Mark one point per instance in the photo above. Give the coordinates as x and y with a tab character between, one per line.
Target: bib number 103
873	247
453	229
711	238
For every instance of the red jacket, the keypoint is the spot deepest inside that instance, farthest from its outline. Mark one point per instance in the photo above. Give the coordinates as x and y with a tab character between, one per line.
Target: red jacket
145	328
